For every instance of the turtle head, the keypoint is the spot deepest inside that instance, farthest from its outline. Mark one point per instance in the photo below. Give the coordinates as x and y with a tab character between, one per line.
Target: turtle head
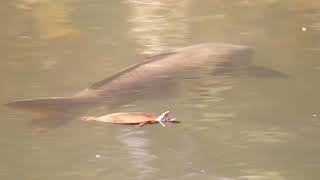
166	117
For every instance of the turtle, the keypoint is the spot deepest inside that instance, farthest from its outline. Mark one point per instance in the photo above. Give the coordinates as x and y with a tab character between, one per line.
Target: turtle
134	118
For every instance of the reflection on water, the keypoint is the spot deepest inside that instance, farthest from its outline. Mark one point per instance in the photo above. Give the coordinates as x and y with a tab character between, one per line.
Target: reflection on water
138	148
261	175
51	18
267	136
158	24
307	6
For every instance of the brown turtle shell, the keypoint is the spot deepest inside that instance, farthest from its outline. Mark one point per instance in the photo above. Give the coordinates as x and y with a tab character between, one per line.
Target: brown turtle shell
127	118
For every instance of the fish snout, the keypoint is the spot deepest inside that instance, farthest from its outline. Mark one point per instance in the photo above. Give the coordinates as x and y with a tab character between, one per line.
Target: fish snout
241	56
236	56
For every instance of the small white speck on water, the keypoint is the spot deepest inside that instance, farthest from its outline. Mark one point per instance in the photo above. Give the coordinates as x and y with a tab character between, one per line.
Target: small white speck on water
314	115
98	155
25	37
304	29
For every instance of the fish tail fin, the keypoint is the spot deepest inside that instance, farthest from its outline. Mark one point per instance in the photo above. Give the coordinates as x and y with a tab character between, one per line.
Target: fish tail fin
54	111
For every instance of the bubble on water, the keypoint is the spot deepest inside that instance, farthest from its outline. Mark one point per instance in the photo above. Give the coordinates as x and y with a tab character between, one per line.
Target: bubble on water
98	155
304	29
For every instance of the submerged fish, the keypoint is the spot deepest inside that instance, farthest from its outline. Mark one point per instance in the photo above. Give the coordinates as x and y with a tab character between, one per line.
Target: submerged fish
151	72
124	85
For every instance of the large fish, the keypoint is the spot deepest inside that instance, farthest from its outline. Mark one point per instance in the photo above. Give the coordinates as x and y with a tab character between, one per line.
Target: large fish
122	86
154	70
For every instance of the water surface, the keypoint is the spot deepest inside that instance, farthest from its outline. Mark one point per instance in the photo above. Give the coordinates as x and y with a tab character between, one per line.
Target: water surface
246	127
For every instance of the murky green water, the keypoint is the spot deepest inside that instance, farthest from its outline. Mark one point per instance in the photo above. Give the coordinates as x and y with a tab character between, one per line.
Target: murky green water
237	128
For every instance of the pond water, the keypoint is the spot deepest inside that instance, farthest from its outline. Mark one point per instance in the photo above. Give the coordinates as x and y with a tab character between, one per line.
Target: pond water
243	127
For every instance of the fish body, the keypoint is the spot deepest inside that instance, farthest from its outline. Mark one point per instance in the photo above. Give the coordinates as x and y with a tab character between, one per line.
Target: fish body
120	87
162	67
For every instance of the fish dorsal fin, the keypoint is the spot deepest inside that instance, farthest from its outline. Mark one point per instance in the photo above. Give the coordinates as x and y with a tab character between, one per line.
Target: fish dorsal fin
130	68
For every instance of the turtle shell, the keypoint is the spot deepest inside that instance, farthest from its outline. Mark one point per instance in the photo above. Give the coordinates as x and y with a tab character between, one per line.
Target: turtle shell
129	118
